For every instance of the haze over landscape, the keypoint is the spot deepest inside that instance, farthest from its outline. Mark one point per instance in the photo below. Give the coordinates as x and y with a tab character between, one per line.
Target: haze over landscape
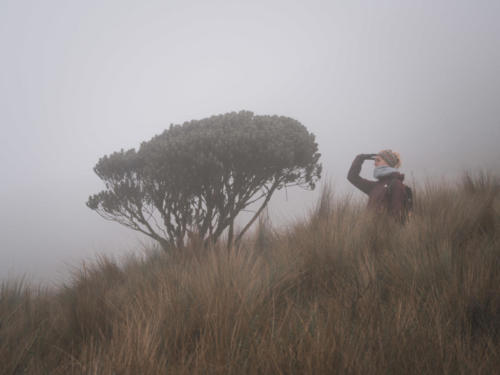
82	80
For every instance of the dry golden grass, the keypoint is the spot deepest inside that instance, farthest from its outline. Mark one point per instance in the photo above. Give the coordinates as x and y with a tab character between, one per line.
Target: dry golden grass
342	292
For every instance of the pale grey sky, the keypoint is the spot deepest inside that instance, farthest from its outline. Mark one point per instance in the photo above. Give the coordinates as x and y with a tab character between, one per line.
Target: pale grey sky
79	80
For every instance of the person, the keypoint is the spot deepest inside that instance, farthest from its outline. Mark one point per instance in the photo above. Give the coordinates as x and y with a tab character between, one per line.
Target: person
387	193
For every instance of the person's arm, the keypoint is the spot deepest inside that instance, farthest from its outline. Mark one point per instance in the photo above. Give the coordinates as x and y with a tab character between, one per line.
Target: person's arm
354	178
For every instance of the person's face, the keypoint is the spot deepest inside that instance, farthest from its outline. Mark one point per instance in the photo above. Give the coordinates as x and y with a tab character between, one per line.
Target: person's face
379	161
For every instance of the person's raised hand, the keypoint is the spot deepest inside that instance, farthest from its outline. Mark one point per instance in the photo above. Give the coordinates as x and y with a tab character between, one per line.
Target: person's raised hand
367	156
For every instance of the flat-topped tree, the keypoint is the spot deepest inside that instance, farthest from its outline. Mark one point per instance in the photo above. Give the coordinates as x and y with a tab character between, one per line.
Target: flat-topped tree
195	178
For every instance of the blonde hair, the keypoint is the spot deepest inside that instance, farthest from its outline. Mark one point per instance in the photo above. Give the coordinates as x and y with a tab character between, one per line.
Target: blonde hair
391	157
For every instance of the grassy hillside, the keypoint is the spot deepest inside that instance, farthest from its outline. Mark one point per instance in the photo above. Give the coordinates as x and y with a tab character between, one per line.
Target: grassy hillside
340	292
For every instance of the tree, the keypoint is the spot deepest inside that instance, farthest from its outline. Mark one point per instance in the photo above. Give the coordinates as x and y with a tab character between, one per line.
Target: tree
195	178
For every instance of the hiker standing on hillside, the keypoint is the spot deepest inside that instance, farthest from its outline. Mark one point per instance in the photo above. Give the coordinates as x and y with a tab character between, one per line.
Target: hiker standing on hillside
388	193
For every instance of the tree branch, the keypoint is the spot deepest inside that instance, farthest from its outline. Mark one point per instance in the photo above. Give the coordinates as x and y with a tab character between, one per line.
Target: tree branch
264	204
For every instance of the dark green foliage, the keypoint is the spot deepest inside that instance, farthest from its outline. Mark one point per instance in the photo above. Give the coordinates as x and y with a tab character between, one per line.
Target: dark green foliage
194	178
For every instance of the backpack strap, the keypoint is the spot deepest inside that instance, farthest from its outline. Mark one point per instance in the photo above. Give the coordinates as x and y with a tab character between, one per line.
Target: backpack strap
407	200
389	186
390	189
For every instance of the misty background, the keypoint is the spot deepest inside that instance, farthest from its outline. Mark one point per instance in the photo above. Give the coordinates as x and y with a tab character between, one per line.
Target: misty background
80	80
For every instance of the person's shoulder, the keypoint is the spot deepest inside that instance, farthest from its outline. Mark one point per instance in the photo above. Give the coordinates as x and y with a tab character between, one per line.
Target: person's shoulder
396	180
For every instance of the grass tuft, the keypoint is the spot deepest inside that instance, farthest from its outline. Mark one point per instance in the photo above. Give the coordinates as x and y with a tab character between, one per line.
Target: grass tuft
342	291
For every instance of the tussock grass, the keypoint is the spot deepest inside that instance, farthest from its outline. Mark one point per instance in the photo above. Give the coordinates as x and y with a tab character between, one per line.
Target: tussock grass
342	291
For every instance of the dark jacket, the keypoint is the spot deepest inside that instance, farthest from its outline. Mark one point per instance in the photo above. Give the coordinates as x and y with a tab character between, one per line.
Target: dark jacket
379	197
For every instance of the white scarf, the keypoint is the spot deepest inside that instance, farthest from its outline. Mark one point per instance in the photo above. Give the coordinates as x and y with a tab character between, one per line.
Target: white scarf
383	171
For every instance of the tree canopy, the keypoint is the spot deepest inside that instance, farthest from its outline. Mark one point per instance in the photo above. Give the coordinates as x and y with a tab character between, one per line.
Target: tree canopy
194	179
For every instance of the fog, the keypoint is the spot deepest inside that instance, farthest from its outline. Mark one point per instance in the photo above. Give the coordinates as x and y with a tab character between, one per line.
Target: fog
80	80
